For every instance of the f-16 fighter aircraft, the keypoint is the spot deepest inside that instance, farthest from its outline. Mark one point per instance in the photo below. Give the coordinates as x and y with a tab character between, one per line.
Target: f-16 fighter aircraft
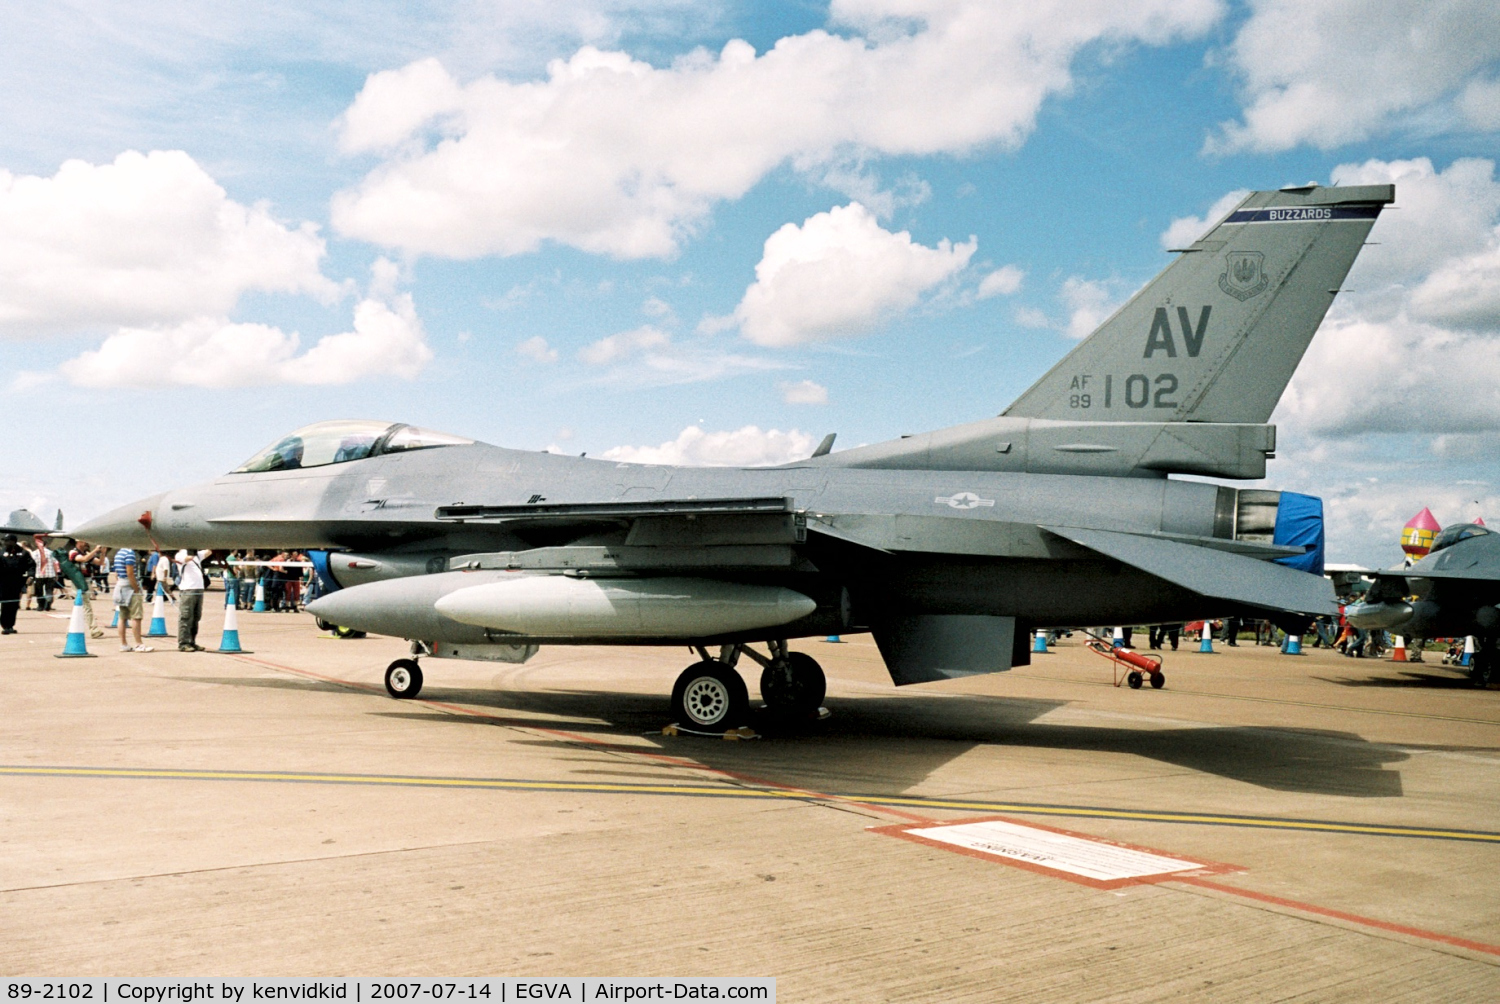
951	547
1451	593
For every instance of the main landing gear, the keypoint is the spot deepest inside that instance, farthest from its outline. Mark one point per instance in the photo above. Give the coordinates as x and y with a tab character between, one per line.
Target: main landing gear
711	696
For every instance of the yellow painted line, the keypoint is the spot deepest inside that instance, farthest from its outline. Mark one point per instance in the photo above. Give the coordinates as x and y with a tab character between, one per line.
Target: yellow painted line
773	794
399	781
1211	819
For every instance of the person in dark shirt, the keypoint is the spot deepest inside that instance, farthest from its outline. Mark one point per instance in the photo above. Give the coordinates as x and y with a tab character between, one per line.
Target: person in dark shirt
15	566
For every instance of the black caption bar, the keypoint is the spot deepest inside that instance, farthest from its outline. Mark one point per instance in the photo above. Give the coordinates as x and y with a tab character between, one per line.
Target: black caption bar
489	990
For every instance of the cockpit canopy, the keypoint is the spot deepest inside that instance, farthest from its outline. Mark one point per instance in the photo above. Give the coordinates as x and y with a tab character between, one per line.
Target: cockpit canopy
341	441
1453	534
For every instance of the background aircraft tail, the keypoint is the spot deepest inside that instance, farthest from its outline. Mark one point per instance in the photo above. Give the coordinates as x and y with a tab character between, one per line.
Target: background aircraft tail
1217	335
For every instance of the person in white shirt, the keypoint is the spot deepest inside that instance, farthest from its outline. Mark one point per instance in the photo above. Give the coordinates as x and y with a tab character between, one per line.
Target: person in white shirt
191	582
162	573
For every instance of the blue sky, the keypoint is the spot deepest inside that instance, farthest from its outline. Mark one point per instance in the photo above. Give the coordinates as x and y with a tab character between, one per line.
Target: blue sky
617	229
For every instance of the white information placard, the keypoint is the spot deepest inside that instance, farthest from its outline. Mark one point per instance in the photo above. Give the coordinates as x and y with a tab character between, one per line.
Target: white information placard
1096	860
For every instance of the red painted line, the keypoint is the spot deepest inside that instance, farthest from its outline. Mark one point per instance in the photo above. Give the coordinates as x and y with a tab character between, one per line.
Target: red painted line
575	737
1352	918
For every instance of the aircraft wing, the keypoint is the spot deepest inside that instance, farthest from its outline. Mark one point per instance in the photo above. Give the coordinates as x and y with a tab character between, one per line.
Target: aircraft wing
1475	559
1213	573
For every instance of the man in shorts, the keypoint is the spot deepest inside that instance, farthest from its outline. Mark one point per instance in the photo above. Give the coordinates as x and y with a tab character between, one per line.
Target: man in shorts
129	599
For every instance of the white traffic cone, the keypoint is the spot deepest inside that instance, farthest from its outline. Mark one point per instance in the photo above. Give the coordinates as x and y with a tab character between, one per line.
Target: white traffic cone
158	615
76	647
230	642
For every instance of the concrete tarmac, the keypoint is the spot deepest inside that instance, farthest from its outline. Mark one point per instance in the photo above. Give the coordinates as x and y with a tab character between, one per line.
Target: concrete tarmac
277	814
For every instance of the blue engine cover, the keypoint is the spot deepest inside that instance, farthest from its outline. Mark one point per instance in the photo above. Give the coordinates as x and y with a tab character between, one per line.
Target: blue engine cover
1299	523
325	575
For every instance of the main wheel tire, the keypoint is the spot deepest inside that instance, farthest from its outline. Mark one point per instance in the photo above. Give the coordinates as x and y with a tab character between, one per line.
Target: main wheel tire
347	632
1158	681
710	697
1134	679
403	679
795	684
322	624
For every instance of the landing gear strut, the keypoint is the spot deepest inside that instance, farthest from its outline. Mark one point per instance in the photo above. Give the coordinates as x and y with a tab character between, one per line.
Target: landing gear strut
710	695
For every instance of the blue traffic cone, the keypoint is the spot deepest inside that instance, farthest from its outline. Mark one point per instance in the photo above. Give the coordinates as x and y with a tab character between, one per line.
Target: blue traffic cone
1468	651
1119	640
260	596
158	615
1293	645
834	639
1207	644
76	647
1039	645
114	621
230	642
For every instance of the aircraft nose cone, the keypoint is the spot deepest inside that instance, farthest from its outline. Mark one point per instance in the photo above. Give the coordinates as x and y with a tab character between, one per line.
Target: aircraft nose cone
122	527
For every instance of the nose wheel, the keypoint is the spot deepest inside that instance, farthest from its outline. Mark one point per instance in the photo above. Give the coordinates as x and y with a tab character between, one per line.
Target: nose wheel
403	679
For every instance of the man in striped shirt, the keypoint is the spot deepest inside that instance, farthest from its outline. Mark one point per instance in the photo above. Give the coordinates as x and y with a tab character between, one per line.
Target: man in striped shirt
129	599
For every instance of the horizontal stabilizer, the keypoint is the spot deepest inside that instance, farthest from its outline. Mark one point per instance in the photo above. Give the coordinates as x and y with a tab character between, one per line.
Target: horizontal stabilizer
1217	574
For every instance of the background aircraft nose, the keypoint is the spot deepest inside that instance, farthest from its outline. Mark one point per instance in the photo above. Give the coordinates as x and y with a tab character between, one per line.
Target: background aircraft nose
121	527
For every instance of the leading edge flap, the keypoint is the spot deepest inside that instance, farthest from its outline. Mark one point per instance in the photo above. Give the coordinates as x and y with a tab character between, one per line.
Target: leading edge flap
1212	573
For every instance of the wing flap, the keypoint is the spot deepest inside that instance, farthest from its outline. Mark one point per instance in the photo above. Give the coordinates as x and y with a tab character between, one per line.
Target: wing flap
1213	573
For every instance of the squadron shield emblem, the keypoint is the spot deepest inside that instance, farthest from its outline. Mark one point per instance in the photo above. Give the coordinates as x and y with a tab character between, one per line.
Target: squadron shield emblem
1244	274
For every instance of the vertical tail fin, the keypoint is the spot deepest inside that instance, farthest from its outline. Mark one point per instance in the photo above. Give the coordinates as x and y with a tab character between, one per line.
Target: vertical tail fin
1217	335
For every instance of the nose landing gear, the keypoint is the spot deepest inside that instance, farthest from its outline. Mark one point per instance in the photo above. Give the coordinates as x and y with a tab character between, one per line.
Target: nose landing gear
403	679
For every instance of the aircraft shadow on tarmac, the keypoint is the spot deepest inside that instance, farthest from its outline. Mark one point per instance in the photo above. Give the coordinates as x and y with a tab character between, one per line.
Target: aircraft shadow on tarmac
891	744
1406	679
269	683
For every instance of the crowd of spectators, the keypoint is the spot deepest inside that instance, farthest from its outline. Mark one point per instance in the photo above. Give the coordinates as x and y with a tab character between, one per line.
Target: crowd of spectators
35	574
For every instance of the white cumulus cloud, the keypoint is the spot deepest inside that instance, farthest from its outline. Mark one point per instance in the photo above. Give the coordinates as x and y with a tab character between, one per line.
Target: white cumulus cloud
387	340
1329	72
616	347
1414	347
1089	303
537	350
1186	229
745	447
615	156
147	239
803	392
839	274
1002	281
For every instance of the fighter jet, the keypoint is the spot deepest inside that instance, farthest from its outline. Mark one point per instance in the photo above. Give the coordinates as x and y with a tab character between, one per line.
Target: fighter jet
950	547
24	521
1451	593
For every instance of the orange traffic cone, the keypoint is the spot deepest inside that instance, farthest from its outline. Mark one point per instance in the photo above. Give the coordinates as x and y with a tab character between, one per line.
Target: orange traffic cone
1398	653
